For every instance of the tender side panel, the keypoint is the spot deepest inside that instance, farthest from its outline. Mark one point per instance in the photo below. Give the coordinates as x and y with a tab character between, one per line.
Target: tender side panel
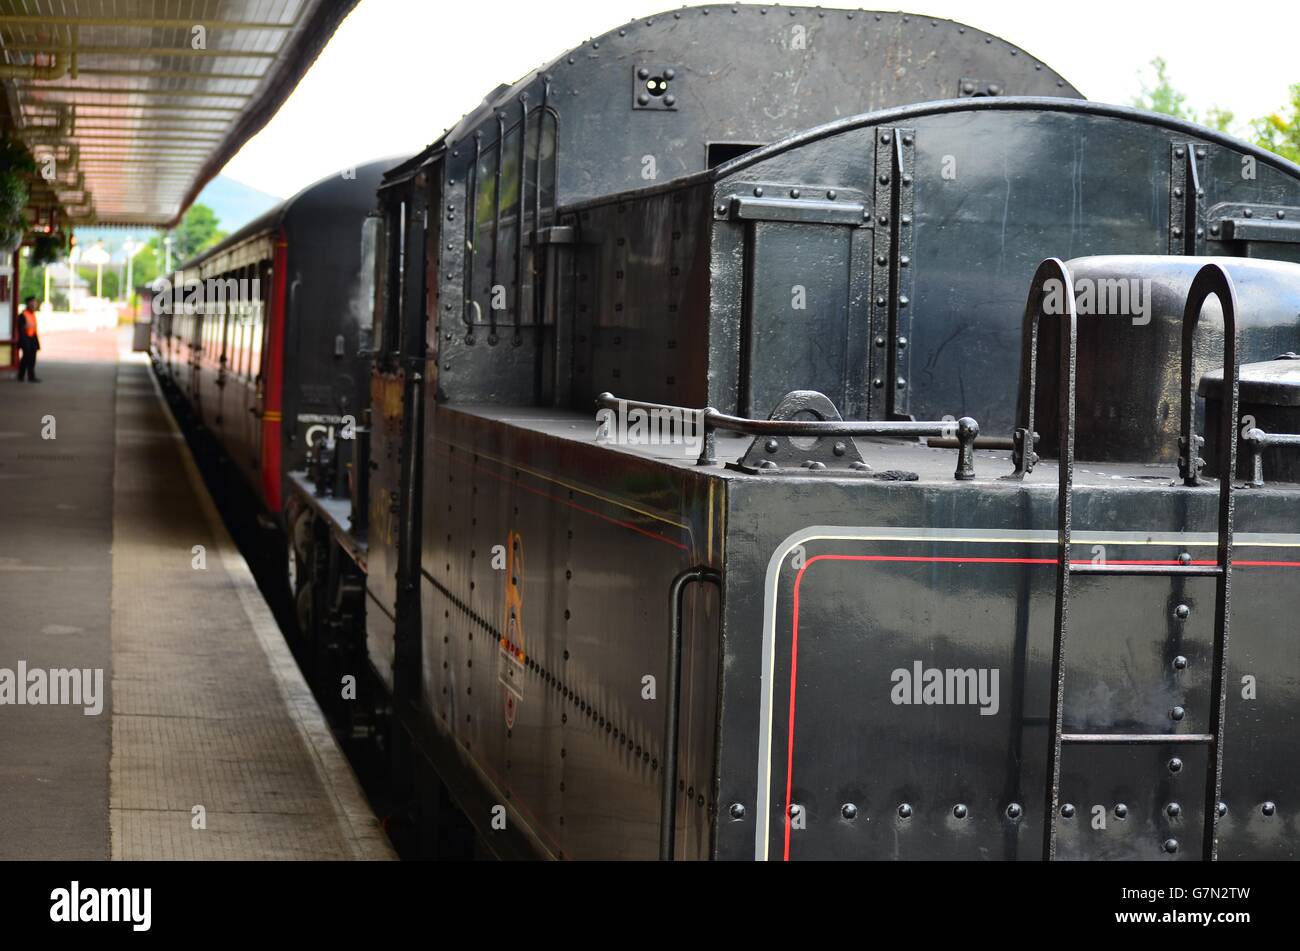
546	605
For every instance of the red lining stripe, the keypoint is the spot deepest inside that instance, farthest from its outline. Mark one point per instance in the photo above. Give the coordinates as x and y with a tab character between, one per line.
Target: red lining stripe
942	559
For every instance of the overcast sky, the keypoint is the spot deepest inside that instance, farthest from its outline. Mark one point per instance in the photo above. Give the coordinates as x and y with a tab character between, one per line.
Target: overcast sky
398	72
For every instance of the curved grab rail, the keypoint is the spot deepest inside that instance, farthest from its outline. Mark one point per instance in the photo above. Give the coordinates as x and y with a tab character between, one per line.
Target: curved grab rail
1052	281
1210	281
1213	280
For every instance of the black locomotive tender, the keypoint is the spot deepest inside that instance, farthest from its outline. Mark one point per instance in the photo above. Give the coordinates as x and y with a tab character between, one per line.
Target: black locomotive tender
774	633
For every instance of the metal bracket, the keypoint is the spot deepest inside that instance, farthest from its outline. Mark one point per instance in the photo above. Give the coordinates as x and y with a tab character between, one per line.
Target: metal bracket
1186	198
654	87
804	211
825	454
891	274
1255	222
973	88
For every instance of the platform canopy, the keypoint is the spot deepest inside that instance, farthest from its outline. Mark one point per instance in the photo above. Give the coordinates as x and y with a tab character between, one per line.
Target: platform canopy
141	102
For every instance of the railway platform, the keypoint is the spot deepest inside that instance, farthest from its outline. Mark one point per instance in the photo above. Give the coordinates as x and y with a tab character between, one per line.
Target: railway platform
149	707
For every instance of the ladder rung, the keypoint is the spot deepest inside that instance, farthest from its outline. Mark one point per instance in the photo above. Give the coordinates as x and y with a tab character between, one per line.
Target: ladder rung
1162	570
1133	739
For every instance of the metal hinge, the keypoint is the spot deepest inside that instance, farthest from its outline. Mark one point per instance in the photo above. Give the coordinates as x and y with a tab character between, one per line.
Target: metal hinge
1186	198
891	275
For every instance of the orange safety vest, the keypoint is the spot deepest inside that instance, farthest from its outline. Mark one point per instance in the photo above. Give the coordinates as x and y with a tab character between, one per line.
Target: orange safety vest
30	329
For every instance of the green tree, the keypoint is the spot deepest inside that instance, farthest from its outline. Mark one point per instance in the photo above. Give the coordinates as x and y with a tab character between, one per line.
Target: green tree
1280	132
1161	96
198	231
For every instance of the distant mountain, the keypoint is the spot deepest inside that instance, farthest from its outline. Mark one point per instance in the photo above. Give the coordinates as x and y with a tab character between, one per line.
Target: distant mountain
234	204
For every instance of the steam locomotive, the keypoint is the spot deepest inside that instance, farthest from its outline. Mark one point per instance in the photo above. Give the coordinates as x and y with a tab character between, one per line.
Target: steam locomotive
799	433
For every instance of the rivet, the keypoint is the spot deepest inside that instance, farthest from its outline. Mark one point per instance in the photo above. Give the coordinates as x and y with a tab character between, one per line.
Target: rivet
1171	846
643	73
905	811
831	194
1177	713
1068	811
1178	193
959	811
1249	213
901	382
880	341
1014	811
1175	765
1184	558
849	811
885	138
758	191
840	449
771	445
722	209
737	812
1221	809
1179	152
1121	811
1178	232
794	193
882	260
902	343
1180	662
1268	808
884	178
1173	810
1182	611
877	382
1214	229
670	100
907	140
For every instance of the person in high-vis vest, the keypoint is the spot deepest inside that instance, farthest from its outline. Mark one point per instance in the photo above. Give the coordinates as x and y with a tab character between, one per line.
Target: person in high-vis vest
28	342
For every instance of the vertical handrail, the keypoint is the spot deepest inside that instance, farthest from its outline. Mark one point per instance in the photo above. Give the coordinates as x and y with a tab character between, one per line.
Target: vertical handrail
1213	280
668	791
1053	269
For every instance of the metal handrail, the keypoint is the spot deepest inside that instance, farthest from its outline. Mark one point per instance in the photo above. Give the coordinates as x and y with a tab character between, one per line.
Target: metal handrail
966	429
1257	441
